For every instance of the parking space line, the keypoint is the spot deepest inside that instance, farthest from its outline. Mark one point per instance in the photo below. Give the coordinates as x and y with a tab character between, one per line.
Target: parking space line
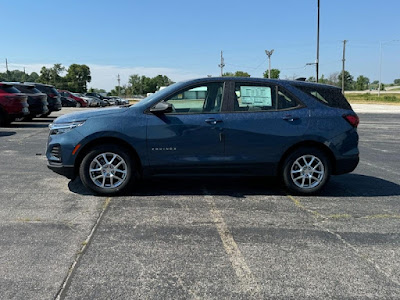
242	270
67	281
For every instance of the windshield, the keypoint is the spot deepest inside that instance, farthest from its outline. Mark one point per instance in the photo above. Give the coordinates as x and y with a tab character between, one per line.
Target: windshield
159	94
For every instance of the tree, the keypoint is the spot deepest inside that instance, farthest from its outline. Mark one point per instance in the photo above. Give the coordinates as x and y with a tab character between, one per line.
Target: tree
362	83
77	78
396	81
53	76
236	74
274	73
348	81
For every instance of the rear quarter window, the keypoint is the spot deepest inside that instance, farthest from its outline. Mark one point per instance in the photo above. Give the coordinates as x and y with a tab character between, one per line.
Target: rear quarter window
332	97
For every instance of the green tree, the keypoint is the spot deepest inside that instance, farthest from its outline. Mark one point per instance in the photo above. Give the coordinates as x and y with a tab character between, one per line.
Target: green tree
236	74
77	78
348	81
53	76
362	83
396	81
275	73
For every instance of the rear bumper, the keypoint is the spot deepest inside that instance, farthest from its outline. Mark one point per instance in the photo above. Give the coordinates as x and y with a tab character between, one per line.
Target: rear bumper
67	171
346	165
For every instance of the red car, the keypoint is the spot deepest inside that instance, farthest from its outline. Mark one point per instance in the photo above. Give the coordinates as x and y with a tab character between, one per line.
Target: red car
13	104
80	102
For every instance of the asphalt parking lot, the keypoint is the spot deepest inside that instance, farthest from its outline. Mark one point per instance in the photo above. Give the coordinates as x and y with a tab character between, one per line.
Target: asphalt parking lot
201	238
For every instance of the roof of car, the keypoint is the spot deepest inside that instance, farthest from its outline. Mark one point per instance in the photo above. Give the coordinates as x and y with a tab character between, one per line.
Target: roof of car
262	80
19	84
41	84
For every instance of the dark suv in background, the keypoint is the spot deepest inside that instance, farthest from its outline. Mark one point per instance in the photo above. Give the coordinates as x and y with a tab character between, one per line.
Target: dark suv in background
37	100
301	132
53	97
13	104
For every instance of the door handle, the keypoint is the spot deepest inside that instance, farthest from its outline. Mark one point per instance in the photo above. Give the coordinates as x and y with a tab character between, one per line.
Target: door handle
213	121
290	118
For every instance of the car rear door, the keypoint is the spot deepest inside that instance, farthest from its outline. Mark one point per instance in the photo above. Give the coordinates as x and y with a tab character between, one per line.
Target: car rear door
263	121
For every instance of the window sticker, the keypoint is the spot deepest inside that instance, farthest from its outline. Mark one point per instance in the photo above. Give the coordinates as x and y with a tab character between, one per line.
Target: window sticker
256	95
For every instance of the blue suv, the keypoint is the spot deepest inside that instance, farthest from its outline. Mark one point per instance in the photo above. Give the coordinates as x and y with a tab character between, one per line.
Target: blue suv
300	131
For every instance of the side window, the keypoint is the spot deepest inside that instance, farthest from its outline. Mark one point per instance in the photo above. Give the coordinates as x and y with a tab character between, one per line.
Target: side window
201	99
254	98
285	100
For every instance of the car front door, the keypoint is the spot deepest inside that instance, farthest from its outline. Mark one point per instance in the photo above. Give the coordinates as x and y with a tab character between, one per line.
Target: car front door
191	135
264	120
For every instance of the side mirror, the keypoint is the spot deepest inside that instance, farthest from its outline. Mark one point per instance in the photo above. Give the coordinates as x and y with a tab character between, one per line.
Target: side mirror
161	107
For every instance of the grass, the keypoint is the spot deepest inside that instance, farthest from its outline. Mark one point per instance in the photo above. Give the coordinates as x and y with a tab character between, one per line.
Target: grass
373	98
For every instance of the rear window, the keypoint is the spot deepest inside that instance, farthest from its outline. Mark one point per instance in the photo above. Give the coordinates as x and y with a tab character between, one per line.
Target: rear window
47	89
332	97
28	89
9	89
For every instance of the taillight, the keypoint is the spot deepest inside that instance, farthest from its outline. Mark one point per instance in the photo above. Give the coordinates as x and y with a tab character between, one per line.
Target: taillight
17	97
352	119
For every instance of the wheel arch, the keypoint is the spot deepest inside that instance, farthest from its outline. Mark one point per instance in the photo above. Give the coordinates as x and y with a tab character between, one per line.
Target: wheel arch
106	140
314	144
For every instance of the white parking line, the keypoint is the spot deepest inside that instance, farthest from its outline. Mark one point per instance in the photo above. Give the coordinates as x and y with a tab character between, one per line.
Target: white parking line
242	270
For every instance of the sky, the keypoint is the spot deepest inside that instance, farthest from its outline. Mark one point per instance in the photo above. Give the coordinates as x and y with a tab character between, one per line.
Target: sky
183	39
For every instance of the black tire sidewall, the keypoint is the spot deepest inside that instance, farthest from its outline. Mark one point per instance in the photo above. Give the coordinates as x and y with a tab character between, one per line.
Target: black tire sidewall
84	169
287	179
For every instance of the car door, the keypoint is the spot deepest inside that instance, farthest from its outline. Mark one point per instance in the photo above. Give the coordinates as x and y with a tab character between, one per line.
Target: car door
190	136
263	122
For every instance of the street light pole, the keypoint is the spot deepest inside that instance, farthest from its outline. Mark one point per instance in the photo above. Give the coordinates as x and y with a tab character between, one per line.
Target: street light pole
269	53
380	64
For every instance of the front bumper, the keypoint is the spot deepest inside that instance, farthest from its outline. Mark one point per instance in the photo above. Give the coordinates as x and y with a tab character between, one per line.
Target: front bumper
67	171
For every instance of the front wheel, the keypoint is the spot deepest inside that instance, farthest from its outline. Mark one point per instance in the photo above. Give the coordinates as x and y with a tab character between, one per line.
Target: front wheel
306	171
107	170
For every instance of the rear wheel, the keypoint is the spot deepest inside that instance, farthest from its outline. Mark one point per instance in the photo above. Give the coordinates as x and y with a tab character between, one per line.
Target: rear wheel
306	170
107	170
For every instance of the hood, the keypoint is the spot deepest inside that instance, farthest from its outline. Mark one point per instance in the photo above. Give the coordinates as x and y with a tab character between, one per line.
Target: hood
84	115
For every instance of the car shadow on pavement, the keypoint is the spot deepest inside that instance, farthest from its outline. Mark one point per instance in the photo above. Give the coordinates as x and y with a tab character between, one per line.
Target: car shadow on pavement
349	185
28	125
7	133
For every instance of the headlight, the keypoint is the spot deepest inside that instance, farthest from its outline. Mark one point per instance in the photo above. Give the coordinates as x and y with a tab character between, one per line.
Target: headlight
64	127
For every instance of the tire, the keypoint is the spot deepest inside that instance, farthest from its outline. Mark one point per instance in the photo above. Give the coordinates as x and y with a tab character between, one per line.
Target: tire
306	171
78	104
112	170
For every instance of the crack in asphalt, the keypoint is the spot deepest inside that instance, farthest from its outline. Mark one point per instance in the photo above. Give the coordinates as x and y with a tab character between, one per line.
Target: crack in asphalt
320	217
67	281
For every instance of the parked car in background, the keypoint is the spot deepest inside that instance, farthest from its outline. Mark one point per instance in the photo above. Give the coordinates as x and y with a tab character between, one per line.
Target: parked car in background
13	104
36	99
101	97
80	101
300	131
120	101
53	97
69	102
94	101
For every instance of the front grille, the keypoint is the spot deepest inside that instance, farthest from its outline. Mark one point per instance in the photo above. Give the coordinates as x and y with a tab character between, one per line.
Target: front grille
56	153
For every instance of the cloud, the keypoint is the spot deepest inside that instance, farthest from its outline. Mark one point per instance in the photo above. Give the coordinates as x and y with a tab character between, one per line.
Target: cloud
105	76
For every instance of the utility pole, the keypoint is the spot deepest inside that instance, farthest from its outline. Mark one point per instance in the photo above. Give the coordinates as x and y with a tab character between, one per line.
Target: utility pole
380	70
269	53
119	87
222	64
343	60
317	61
6	65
